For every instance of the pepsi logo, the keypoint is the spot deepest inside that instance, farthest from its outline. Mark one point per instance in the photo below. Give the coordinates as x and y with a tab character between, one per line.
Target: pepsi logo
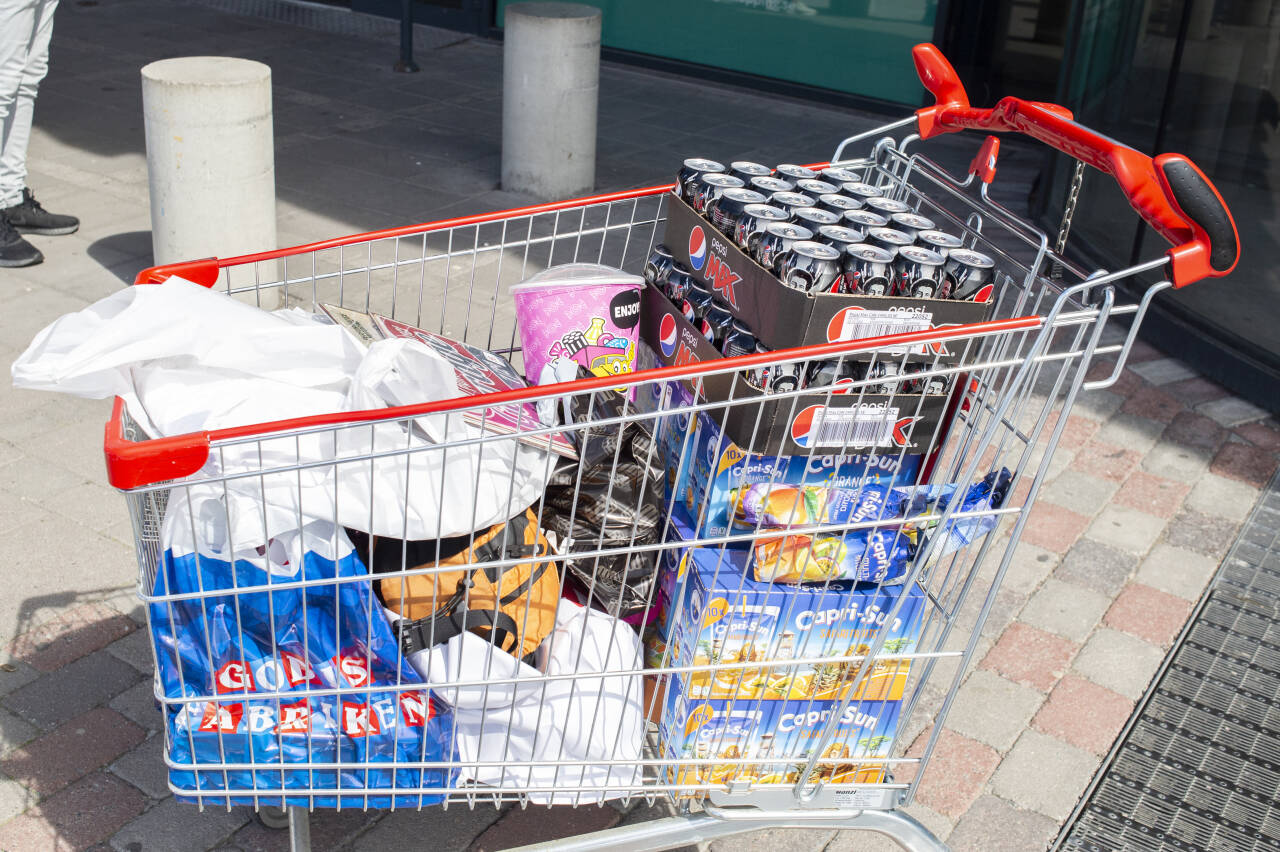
697	248
802	425
667	334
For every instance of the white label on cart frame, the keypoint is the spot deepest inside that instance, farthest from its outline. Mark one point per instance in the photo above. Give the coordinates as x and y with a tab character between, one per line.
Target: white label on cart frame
860	799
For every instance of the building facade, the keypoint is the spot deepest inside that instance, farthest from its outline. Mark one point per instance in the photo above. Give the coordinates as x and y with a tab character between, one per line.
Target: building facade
1200	77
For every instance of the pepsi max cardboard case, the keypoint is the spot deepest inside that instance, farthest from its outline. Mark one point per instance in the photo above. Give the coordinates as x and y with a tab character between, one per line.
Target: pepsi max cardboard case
770	742
714	468
725	617
824	420
782	317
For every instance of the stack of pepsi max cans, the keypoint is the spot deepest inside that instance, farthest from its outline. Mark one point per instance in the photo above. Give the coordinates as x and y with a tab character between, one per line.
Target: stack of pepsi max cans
816	232
831	232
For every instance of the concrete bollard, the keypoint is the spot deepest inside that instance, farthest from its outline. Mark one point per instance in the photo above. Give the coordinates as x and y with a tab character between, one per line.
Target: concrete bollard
210	157
550	92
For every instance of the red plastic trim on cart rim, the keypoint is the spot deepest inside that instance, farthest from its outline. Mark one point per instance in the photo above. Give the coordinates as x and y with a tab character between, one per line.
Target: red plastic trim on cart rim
134	464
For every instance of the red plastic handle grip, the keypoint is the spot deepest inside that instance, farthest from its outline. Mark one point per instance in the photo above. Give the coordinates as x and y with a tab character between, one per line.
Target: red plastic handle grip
1169	192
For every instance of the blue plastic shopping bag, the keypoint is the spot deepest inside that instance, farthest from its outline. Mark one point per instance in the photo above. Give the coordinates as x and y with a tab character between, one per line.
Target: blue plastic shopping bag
233	620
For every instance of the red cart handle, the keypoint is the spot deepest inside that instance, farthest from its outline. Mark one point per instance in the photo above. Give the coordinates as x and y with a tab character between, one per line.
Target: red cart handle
1169	192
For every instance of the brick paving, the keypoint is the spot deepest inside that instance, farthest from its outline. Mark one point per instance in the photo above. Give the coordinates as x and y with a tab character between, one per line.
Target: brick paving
1141	503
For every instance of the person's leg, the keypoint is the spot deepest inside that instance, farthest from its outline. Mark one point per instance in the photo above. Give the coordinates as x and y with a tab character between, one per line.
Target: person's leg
18	29
18	19
26	214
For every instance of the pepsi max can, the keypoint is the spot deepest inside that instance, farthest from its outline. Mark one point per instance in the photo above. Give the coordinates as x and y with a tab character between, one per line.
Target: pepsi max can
919	273
758	377
864	220
716	324
969	272
781	378
679	280
886	206
794	173
814	218
777	240
911	224
939	241
658	267
739	340
888	239
838	175
815	187
927	385
710	186
697	302
859	190
867	270
887	370
752	222
744	171
838	236
836	203
767	186
791	201
823	374
691	169
725	210
810	267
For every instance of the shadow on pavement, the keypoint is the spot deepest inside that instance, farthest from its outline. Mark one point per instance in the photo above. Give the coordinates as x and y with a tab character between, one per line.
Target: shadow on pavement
136	244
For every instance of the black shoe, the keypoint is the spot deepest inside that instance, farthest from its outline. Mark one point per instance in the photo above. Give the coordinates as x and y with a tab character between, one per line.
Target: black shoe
30	218
14	250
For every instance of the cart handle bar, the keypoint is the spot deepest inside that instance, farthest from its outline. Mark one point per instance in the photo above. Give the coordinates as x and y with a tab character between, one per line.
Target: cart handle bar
136	464
1169	192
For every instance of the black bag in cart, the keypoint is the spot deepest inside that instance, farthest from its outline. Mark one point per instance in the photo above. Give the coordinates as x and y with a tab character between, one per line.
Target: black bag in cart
610	499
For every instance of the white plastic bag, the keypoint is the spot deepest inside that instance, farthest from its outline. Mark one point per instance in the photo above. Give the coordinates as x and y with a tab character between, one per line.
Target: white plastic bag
187	359
582	719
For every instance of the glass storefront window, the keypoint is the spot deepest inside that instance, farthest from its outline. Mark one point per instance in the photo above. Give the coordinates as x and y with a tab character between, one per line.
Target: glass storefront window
1200	78
861	47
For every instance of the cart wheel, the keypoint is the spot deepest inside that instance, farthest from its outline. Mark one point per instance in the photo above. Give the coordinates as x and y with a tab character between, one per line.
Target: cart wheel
273	817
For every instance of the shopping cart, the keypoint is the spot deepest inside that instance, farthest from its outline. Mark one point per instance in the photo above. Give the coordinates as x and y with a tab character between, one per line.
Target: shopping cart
1009	382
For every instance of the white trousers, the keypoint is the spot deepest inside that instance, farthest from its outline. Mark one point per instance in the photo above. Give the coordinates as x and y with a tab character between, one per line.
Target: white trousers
25	27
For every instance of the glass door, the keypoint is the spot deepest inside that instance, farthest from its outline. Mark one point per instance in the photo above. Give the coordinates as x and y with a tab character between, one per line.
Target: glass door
1201	78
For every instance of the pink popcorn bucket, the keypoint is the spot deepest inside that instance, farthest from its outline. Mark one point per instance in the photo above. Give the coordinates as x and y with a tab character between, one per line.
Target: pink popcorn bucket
578	315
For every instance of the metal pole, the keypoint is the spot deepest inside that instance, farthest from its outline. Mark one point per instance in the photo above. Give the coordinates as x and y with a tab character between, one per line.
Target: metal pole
299	829
405	64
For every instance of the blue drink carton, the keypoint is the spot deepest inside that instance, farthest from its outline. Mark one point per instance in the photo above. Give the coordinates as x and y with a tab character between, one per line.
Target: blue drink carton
725	618
766	742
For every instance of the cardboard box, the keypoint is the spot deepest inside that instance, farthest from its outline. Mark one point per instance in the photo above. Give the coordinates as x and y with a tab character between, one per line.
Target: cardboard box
714	468
812	422
782	317
724	617
787	730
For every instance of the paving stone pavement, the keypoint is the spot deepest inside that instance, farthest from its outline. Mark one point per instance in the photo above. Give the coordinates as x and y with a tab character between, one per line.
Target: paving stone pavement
1141	503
